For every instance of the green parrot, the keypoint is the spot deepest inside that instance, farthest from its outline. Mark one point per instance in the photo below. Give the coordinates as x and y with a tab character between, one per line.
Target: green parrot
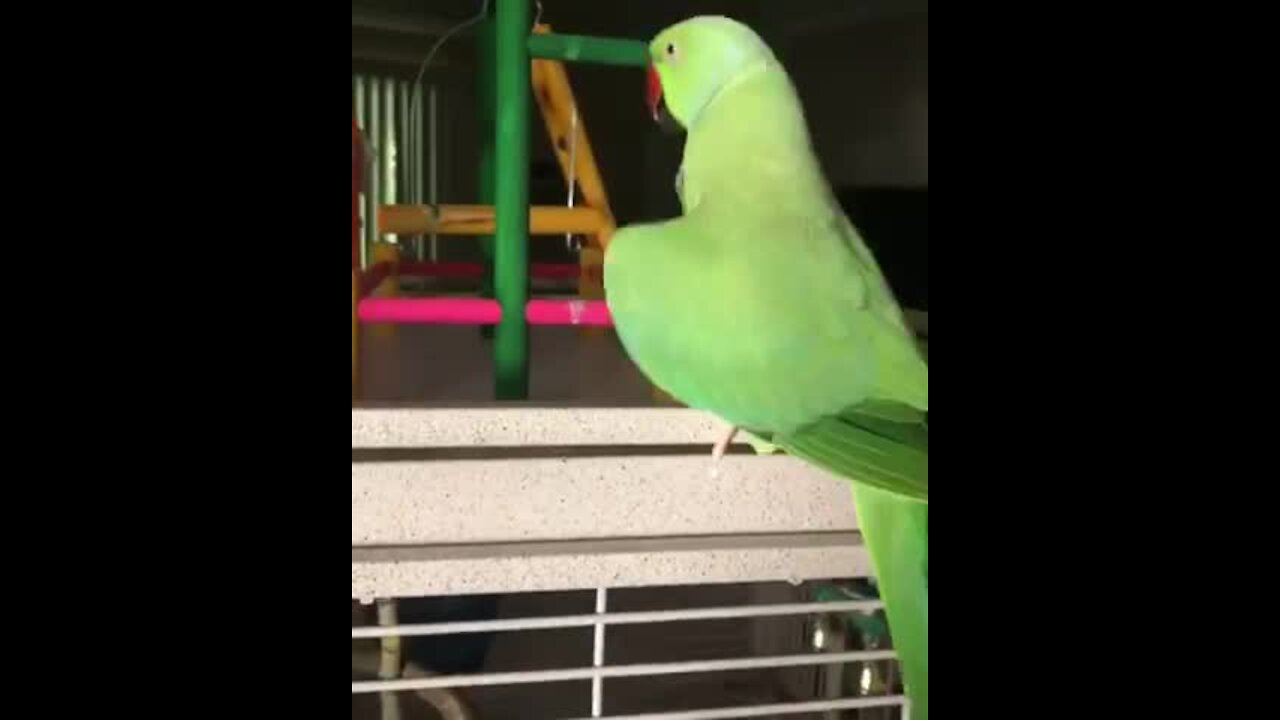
762	305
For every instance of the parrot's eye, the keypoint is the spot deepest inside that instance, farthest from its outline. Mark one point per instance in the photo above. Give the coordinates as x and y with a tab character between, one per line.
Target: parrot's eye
671	50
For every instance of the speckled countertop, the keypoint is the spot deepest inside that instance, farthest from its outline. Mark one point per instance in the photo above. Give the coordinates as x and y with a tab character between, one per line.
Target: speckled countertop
496	523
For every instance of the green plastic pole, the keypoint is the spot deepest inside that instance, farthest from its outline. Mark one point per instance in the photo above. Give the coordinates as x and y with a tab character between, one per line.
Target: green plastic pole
511	167
586	49
487	101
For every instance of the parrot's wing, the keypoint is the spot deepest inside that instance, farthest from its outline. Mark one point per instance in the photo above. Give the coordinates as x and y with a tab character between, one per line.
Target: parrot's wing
789	336
770	324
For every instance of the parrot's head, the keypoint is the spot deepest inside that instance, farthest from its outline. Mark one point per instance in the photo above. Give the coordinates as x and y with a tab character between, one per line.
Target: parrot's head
691	61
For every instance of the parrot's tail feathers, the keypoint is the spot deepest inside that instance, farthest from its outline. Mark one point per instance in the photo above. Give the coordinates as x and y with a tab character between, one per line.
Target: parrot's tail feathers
886	455
882	453
896	532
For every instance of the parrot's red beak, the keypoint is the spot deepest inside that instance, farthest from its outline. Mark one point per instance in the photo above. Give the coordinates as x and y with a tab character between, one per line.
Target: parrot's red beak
658	105
654	93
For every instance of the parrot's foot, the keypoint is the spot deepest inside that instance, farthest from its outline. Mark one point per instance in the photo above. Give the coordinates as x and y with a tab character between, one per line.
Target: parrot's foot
761	446
718	450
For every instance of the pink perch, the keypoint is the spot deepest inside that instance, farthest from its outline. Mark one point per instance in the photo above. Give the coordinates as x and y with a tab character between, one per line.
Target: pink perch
568	312
474	311
430	311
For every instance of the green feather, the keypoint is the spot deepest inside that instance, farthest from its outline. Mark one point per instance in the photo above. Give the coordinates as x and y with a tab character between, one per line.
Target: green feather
896	533
888	455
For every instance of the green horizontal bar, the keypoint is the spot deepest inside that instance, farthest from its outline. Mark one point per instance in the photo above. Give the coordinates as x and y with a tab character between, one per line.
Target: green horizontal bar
587	49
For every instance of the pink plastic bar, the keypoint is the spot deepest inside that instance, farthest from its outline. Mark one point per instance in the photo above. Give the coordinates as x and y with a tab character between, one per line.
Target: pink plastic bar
430	311
370	279
568	312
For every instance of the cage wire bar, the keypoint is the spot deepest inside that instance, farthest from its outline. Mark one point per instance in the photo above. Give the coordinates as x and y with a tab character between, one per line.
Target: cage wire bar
399	120
599	670
528	677
622	618
597	654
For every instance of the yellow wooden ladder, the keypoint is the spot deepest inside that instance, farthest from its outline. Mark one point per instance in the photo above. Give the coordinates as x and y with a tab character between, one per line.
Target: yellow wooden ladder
578	163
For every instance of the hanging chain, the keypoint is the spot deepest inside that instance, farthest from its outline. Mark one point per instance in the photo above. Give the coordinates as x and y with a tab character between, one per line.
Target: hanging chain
570	240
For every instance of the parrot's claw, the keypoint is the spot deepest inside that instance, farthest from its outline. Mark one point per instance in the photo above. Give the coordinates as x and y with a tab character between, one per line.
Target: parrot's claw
762	447
718	450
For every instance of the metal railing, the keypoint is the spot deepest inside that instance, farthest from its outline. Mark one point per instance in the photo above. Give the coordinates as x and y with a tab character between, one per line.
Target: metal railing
600	671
